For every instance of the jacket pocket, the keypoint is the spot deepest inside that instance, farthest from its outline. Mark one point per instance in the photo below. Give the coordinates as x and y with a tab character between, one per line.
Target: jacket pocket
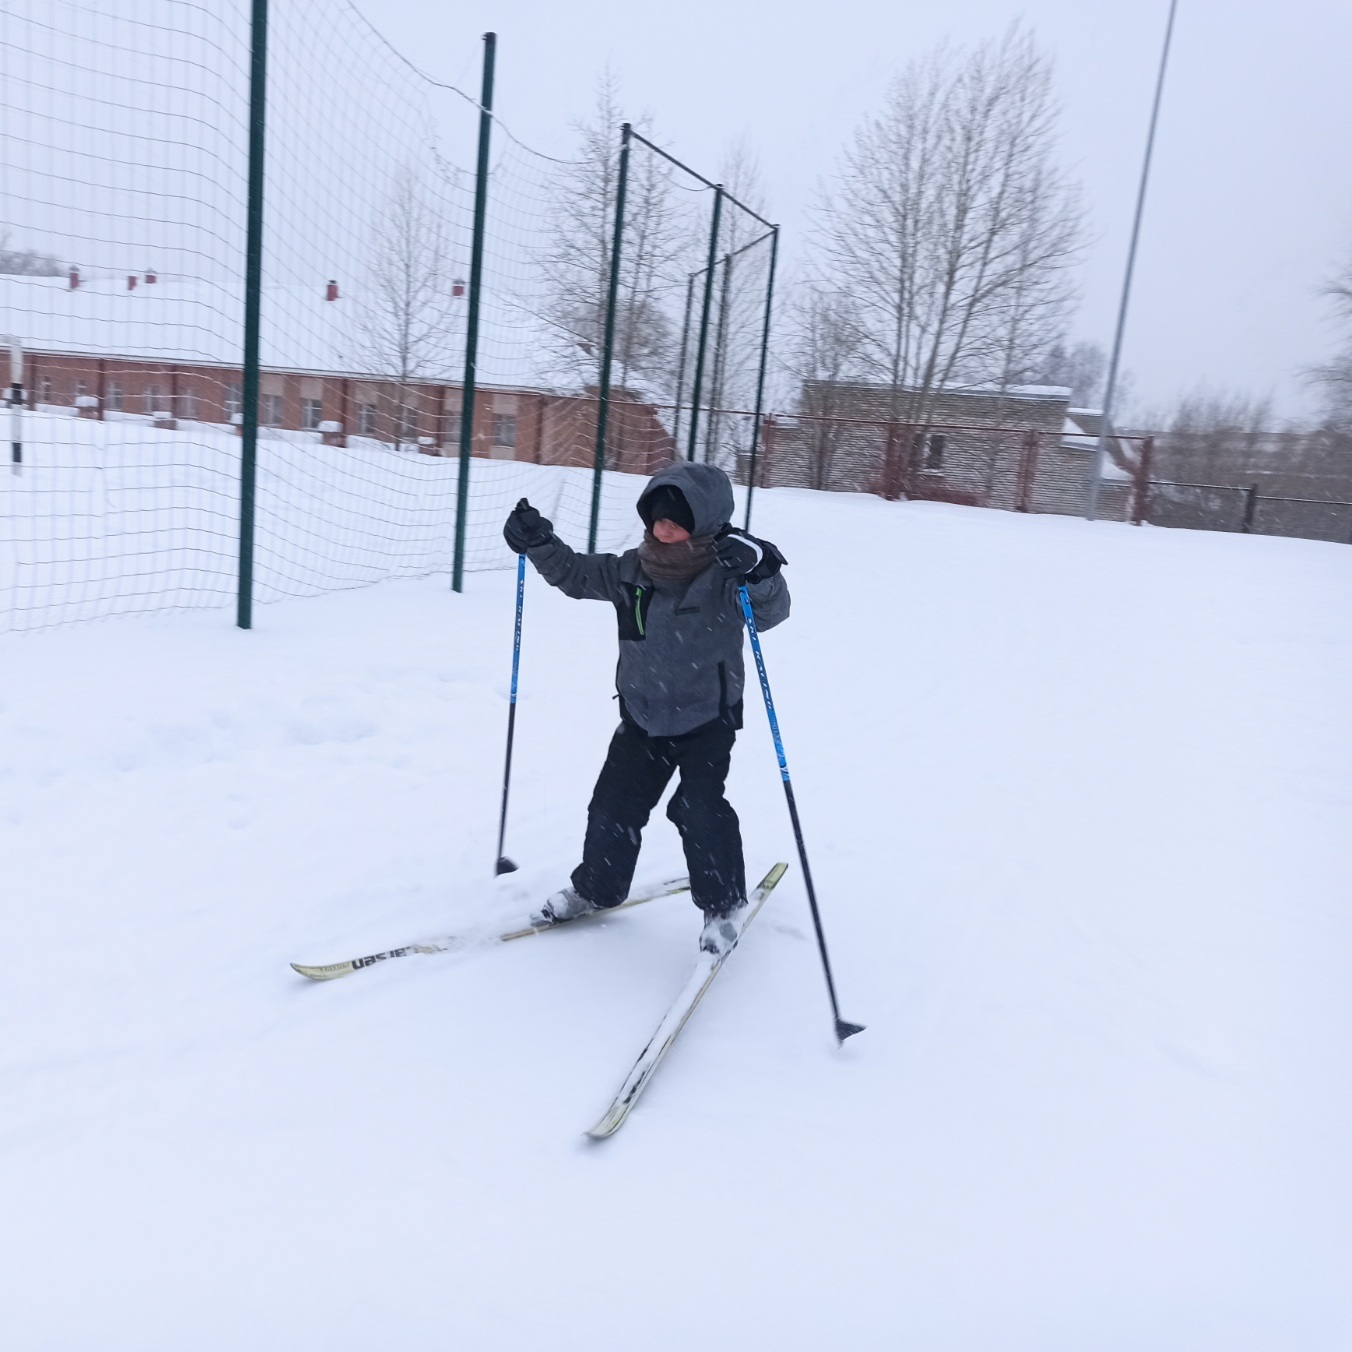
632	612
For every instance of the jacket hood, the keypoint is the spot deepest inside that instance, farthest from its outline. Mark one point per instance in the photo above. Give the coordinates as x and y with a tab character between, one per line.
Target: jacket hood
706	488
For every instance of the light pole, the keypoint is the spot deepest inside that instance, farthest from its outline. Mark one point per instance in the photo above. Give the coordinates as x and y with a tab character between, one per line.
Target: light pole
1105	424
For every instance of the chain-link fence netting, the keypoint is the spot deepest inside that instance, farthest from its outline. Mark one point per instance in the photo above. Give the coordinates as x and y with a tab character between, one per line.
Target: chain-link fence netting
122	150
1248	510
1306	518
1197	506
693	292
123	174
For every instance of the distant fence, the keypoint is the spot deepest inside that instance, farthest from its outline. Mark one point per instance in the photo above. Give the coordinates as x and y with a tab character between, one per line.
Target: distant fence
1022	469
1247	510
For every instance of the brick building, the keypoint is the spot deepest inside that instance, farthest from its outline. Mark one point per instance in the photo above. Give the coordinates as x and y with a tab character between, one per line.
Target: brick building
1022	449
155	351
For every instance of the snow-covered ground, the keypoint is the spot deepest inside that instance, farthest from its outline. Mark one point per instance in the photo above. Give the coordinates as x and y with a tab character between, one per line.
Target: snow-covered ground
119	517
1078	804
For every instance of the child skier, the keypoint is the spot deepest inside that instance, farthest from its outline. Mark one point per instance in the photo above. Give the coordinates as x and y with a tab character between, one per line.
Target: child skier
680	681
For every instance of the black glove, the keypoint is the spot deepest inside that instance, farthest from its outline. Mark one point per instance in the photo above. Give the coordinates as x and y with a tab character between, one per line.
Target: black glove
526	528
748	558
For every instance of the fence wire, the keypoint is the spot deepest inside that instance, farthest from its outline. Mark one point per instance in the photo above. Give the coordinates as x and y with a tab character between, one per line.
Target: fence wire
123	171
124	142
693	306
1247	510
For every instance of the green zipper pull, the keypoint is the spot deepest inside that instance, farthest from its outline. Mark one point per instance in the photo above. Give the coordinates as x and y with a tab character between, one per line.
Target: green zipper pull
638	609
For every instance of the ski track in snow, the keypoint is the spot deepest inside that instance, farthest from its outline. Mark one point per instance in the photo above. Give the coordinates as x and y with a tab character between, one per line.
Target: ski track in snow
1077	800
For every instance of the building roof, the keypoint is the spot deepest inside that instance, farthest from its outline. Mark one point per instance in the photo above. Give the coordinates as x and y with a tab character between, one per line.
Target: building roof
191	321
1049	393
1081	433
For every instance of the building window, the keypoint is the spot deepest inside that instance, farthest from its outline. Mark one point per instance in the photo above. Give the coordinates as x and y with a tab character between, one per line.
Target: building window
934	453
152	399
504	429
234	401
366	419
81	389
408	424
272	410
45	391
311	414
115	395
188	405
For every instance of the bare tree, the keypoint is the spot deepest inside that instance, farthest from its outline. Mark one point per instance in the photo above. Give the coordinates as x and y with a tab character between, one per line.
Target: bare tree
26	262
1234	439
1215	436
741	274
577	262
951	227
1334	378
1078	367
824	352
404	319
741	173
1206	412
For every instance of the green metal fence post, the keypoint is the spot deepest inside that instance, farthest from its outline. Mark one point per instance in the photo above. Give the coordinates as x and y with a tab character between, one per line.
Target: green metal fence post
680	368
476	268
608	347
715	425
704	321
760	375
253	289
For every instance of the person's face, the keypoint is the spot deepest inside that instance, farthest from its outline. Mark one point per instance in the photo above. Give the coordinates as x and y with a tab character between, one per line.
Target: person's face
669	532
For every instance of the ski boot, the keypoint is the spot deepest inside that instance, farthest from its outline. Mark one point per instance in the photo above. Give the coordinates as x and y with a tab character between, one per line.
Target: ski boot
562	907
722	929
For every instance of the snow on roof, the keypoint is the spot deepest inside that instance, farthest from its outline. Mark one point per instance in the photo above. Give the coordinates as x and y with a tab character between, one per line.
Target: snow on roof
1056	393
193	321
1037	391
1074	437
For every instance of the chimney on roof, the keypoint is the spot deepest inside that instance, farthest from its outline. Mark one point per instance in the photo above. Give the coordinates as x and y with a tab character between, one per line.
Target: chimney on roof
131	282
458	287
331	291
151	279
74	279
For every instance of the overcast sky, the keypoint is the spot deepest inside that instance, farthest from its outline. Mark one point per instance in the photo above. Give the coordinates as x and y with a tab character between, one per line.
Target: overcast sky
1250	206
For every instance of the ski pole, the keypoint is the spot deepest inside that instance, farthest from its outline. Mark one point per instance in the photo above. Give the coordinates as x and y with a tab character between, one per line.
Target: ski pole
505	865
844	1029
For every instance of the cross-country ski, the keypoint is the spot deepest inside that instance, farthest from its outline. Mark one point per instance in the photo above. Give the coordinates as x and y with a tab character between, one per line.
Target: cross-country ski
701	978
449	943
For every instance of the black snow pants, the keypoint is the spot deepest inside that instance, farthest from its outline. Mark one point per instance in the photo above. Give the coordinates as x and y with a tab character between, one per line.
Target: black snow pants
637	770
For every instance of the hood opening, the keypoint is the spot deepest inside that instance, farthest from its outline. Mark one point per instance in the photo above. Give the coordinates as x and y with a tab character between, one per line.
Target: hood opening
705	490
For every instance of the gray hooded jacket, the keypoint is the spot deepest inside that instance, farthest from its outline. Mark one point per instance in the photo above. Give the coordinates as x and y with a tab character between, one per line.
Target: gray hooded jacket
680	645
